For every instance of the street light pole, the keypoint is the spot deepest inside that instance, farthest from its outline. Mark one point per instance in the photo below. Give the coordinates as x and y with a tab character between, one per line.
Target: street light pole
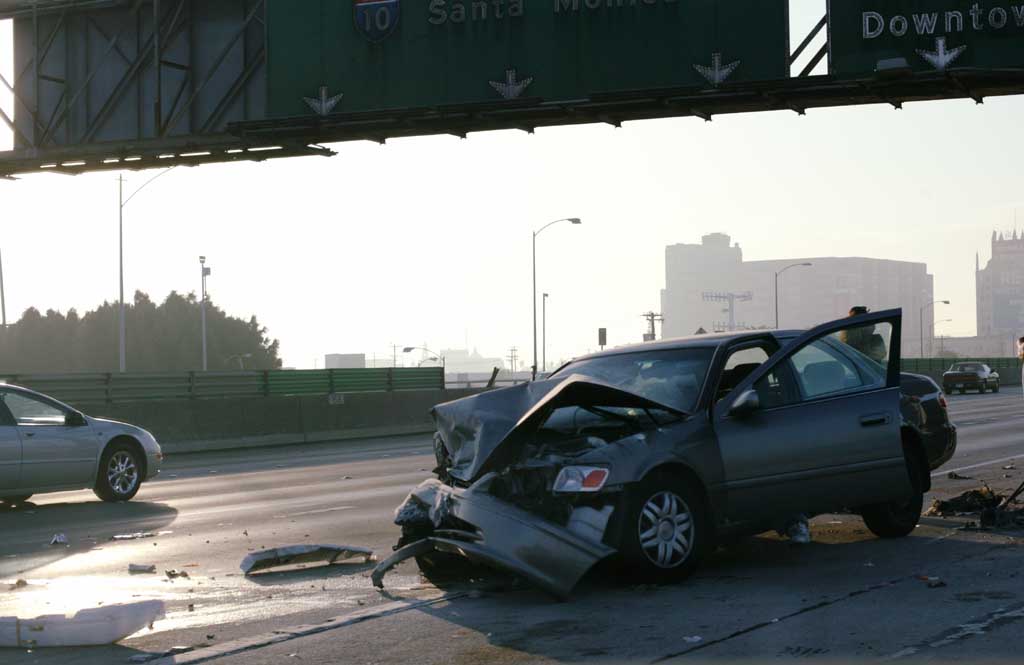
921	320
202	305
544	333
795	265
574	220
121	203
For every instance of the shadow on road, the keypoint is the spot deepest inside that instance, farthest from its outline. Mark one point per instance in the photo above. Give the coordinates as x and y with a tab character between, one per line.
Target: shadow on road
29	528
309	574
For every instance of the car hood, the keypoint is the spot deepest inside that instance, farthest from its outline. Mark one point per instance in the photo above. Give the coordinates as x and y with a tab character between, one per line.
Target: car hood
120	427
485	431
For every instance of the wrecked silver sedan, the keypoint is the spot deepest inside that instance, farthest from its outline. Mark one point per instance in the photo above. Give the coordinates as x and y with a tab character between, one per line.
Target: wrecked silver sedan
653	453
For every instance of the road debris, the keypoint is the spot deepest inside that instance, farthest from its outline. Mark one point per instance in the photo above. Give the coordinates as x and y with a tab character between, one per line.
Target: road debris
134	536
1009	467
933	582
953	475
299	554
59	539
968	503
147	657
96	626
18	584
798	531
174	574
141	569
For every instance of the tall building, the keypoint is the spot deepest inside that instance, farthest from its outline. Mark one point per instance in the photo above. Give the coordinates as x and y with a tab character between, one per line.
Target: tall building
1001	289
700	278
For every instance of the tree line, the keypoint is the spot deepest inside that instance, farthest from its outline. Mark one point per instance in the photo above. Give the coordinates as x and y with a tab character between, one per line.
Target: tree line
160	338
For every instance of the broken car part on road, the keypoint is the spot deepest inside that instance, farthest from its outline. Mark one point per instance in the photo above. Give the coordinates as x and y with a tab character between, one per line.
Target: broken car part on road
96	626
299	554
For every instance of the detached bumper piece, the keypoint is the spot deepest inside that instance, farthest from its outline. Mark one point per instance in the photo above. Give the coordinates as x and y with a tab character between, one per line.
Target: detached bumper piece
506	537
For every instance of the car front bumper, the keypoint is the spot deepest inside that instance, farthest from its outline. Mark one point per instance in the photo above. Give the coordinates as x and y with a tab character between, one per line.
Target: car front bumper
504	537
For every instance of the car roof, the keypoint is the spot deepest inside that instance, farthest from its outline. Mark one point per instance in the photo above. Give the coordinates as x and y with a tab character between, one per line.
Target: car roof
708	341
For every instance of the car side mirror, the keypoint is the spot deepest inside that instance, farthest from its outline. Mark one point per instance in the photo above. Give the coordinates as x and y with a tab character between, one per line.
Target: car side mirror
745	404
74	419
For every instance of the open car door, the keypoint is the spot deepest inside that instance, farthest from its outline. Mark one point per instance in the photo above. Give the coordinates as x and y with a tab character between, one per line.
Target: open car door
816	428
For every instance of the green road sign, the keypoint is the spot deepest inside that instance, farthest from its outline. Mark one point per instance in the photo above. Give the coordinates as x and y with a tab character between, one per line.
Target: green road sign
928	35
348	56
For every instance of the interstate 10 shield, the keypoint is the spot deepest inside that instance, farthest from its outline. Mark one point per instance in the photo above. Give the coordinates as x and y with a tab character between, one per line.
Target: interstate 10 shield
376	19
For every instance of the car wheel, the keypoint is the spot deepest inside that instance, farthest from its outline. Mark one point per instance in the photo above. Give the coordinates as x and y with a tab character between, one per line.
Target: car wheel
666	531
120	473
15	500
995	388
896	519
983	388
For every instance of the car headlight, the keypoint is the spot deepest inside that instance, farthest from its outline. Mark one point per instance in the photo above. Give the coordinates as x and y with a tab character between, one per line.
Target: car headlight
580	479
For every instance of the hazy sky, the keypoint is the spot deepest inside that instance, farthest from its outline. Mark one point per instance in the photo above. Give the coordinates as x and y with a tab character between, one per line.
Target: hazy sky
427	240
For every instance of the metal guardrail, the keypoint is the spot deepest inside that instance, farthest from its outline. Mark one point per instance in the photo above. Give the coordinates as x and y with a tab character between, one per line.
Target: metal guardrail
925	365
79	388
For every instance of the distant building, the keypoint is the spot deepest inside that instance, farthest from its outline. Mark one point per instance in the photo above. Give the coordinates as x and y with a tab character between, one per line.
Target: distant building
345	361
463	361
699	279
1000	288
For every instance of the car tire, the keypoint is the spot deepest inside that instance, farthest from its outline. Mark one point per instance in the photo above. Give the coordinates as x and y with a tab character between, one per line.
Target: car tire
897	519
995	388
15	500
983	388
666	531
120	473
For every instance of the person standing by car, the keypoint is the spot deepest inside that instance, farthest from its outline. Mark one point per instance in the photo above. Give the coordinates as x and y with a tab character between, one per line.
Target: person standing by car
1020	355
864	338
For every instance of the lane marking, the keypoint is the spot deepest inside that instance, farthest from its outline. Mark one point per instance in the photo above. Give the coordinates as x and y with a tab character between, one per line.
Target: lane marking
978	465
287	634
322	510
973	628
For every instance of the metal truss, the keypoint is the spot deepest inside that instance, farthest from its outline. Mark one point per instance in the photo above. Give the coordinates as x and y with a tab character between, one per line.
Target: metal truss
132	84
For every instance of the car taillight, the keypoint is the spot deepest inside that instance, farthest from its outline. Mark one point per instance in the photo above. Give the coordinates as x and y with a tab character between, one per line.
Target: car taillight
942	401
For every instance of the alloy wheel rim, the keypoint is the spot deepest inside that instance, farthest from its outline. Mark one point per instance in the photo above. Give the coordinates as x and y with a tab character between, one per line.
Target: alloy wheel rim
666	530
122	473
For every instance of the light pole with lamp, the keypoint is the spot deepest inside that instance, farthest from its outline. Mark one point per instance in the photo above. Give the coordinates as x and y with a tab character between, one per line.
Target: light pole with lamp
932	344
574	220
921	320
437	356
121	203
202	305
544	332
795	265
3	298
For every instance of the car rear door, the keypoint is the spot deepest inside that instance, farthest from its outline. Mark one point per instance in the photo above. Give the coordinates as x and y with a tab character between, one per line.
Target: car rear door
827	433
10	453
54	454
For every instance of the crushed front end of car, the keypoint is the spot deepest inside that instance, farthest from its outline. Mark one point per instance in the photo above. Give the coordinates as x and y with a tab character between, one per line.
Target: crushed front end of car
520	493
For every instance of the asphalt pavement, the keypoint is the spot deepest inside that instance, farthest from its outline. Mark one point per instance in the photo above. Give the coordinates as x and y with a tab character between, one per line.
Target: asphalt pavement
846	596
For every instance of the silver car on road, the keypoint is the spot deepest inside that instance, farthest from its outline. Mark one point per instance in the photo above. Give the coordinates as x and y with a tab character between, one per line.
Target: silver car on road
48	446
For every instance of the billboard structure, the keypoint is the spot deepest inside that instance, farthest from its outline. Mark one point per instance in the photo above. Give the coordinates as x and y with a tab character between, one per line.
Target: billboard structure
114	84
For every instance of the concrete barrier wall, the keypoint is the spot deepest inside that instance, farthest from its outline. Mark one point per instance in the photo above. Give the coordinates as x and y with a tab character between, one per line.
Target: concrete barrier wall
246	422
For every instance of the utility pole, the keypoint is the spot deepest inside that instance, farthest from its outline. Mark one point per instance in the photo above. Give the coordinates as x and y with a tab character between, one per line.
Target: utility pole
3	299
731	299
513	358
543	334
652	318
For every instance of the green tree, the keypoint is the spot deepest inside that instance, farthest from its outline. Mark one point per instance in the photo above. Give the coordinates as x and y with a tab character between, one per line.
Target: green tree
160	338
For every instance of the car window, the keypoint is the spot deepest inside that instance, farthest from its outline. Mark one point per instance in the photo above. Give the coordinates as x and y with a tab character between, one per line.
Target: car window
739	366
851	360
30	411
671	377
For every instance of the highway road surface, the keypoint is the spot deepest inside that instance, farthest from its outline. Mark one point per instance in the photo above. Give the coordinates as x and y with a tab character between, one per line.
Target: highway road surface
847	596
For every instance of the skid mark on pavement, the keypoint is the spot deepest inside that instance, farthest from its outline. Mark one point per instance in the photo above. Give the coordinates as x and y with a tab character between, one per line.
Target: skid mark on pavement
974	627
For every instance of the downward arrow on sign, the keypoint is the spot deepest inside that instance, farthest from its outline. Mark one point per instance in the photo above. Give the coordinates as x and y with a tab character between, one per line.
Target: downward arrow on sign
941	58
716	74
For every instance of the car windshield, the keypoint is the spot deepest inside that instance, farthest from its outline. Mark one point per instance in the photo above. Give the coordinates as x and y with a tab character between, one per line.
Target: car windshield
672	377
